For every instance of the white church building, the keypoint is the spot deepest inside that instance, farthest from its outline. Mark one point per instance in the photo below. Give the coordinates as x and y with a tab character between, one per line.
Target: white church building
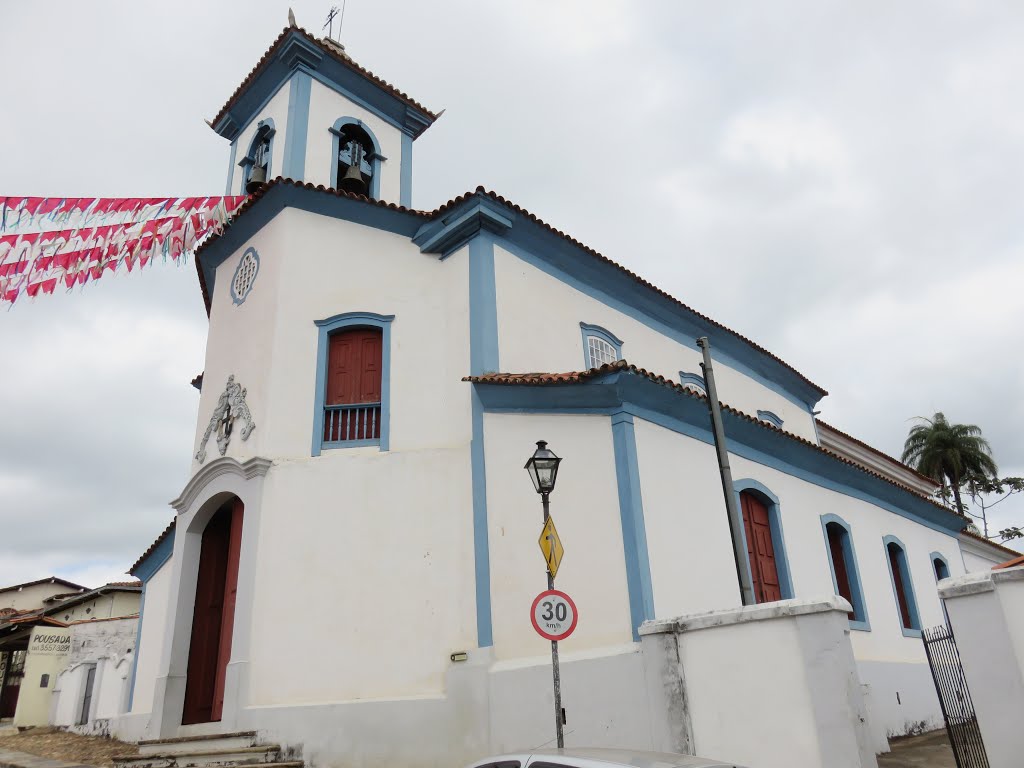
352	562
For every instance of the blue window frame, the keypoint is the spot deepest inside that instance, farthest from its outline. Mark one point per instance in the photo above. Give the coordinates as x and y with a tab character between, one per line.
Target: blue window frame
940	565
261	151
770	417
902	586
349	320
839	543
600	346
693	381
771	501
345	133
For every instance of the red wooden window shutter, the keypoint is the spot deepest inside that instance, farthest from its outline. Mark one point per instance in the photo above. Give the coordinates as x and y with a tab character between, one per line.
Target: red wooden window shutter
836	533
354	367
898	579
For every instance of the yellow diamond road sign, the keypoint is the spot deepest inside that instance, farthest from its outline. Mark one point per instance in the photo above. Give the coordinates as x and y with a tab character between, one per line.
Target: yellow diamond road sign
551	546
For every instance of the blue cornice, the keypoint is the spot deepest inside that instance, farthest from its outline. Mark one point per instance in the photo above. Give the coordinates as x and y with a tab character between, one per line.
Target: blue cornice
279	196
298	53
688	415
449	233
152	562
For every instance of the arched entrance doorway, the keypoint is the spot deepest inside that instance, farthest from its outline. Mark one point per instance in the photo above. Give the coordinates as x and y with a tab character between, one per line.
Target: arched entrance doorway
214	615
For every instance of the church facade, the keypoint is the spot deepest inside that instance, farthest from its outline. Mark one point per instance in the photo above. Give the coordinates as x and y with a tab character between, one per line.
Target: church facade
354	555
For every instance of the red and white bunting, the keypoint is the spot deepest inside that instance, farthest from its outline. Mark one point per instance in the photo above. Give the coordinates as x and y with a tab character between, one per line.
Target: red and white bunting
46	242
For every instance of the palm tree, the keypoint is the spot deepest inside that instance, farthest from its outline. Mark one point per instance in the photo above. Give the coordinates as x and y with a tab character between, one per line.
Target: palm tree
948	453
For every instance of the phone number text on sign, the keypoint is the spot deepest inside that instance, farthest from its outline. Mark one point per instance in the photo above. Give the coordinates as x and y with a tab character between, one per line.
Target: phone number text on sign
554	615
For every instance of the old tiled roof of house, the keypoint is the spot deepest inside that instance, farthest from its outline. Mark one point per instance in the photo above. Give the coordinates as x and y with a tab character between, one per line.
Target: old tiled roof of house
333	53
159	539
578	377
135	583
877	452
248	204
48	580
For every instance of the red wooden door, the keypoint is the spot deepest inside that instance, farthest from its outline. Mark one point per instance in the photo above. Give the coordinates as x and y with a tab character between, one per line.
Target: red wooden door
213	616
760	549
355	367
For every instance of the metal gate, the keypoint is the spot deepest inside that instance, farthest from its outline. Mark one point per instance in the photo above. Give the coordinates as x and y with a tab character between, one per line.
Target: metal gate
955	699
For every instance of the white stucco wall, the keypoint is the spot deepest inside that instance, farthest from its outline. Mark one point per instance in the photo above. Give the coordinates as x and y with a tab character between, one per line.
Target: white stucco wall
325	107
586	511
152	638
521	288
277	110
355	517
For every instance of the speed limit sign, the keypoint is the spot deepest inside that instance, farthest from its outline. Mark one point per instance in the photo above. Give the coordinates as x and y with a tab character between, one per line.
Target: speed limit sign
554	615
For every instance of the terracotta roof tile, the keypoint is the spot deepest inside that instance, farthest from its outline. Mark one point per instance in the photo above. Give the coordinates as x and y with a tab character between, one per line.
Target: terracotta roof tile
135	583
159	539
97	621
330	52
577	377
877	452
1009	563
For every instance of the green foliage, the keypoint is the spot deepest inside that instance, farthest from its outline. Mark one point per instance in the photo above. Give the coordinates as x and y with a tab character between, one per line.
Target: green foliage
949	453
1013	532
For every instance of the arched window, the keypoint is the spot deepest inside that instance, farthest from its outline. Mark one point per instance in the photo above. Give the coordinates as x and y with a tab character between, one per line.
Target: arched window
256	163
766	548
902	586
842	560
693	382
353	364
600	346
940	565
356	158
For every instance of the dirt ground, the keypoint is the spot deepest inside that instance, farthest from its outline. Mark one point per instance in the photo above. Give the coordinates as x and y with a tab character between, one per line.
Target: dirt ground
929	750
70	747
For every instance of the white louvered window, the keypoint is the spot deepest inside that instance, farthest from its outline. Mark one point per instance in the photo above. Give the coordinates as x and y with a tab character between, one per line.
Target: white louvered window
600	352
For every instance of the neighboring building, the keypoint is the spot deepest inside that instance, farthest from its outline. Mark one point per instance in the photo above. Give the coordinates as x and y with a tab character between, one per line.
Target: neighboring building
354	554
30	596
36	642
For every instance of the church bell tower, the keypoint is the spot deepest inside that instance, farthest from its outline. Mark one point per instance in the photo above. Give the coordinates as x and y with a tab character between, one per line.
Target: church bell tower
308	112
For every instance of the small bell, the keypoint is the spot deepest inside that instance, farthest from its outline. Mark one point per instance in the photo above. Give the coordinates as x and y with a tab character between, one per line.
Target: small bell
352	181
257	178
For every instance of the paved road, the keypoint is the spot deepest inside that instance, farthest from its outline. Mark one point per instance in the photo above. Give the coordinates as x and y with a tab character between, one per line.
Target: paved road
929	750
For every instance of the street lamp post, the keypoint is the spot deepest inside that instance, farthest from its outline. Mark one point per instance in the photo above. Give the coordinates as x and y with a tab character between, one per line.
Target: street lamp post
543	469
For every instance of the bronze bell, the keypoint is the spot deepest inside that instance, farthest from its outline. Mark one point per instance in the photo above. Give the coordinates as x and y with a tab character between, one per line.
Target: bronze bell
257	179
352	181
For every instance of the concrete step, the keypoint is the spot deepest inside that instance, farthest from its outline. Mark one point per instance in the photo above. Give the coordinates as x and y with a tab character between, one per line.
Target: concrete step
211	741
204	758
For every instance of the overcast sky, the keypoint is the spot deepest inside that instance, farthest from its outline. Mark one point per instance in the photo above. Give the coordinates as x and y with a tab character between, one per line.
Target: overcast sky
841	182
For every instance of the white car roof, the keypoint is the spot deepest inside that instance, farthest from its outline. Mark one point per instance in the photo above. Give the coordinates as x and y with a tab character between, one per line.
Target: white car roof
594	757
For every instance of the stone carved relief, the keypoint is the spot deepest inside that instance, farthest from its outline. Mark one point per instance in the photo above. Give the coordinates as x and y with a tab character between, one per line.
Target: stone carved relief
230	406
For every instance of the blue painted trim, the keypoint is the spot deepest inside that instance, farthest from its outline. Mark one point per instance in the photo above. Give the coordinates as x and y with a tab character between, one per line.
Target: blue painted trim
152	562
265	129
770	417
231	167
481	538
375	157
256	257
483	358
297	53
447	234
587	330
281	196
483	307
693	379
771	501
687	414
298	127
932	557
138	643
405	190
579	269
860	612
634	531
914	630
326	327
